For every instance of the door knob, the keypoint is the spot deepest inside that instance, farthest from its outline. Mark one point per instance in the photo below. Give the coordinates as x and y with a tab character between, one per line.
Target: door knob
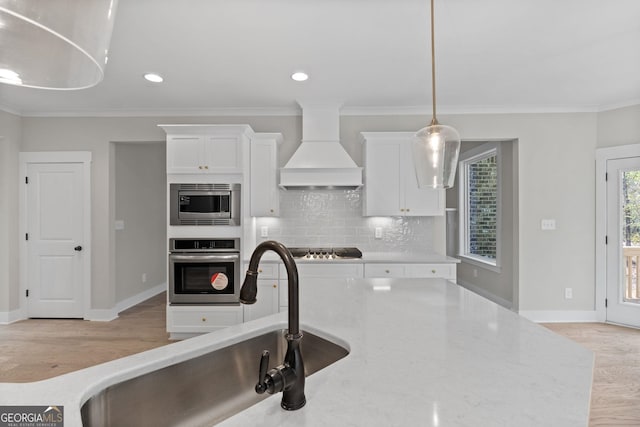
78	248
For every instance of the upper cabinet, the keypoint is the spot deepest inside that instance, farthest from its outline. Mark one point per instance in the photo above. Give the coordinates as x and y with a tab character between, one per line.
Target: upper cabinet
390	184
265	196
194	149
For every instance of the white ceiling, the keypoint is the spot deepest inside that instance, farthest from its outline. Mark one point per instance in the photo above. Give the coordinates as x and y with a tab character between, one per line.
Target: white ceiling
222	56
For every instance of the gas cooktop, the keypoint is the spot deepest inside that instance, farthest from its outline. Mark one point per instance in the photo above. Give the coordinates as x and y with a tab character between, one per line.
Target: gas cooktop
325	253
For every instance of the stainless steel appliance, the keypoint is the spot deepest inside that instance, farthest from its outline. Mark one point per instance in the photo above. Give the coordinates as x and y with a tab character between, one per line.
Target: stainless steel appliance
204	271
325	253
204	204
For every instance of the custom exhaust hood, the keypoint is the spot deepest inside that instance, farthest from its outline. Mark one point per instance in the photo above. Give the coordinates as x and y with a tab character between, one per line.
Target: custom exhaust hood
320	161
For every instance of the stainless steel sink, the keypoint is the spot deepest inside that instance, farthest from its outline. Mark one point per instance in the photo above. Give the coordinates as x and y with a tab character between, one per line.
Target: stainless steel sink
204	390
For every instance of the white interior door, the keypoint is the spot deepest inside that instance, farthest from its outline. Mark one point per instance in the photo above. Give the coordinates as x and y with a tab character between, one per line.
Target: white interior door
55	203
623	241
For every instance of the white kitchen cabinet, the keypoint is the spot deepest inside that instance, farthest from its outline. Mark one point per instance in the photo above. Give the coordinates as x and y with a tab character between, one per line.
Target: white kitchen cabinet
411	270
390	185
265	194
185	320
209	149
322	270
266	300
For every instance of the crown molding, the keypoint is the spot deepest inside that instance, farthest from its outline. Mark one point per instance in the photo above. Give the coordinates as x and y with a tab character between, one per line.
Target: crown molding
418	110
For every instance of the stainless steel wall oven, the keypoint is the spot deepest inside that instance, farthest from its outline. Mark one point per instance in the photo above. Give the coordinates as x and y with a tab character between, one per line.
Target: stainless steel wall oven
204	271
204	204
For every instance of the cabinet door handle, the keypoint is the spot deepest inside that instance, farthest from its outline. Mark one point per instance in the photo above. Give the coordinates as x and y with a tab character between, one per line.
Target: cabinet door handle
386	271
275	286
433	271
259	270
401	209
200	167
206	167
271	210
408	209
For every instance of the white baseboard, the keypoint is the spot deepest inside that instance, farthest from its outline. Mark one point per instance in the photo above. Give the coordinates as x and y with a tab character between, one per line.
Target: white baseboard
142	296
106	315
484	293
7	317
560	316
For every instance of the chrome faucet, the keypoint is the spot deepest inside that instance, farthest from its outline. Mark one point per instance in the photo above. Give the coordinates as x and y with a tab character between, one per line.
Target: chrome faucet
287	378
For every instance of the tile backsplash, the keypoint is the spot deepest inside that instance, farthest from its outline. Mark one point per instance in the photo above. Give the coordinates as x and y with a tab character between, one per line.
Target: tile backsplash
322	218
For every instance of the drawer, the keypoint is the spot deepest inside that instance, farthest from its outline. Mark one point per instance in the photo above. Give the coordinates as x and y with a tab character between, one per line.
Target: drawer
384	270
199	319
444	271
326	269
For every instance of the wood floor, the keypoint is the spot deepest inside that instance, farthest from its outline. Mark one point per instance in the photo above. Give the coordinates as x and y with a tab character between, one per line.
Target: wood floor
37	349
615	394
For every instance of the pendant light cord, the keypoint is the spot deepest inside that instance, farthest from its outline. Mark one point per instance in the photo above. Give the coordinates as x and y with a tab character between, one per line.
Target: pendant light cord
434	121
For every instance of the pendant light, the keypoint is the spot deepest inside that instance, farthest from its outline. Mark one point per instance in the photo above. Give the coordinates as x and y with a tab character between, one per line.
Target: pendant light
435	147
55	44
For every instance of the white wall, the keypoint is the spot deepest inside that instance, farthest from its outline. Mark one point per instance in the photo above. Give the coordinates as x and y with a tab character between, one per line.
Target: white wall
619	127
96	135
140	203
556	165
10	136
556	159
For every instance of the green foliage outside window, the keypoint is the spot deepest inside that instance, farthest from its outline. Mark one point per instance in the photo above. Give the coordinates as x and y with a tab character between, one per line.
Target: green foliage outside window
631	208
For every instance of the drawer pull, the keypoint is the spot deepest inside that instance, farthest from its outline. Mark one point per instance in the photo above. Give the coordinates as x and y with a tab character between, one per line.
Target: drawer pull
204	319
433	271
259	270
275	286
386	271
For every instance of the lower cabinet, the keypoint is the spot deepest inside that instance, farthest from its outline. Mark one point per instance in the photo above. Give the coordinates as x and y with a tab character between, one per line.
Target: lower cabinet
443	271
186	320
267	300
322	270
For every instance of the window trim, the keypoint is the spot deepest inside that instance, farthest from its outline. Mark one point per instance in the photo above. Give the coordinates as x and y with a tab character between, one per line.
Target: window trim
479	153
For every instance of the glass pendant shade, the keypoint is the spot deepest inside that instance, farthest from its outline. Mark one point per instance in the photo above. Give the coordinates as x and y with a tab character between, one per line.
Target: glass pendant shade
55	44
435	155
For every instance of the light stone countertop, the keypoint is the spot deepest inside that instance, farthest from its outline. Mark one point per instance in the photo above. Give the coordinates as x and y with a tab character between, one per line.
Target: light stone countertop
423	352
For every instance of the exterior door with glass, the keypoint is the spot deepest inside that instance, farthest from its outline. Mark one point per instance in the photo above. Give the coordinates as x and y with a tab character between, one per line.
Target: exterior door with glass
623	241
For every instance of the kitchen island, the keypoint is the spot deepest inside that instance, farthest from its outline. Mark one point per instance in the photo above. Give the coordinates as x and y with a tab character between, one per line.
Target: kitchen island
422	352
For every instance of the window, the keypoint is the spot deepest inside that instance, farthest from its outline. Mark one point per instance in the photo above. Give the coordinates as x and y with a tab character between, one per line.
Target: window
480	205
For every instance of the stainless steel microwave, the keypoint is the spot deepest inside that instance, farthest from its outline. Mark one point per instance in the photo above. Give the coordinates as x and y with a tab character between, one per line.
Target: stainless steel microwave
204	204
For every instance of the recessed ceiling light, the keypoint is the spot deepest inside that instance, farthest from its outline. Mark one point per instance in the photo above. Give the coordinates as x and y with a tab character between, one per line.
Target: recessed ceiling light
153	77
299	76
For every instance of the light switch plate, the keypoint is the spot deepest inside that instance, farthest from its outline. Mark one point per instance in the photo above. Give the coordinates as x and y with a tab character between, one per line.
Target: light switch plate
378	233
264	231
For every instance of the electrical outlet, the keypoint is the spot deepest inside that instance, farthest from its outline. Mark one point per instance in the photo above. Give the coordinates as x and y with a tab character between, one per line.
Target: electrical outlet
378	233
548	224
264	231
568	293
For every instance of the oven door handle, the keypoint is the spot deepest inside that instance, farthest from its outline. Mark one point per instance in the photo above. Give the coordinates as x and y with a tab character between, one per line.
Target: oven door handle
202	257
